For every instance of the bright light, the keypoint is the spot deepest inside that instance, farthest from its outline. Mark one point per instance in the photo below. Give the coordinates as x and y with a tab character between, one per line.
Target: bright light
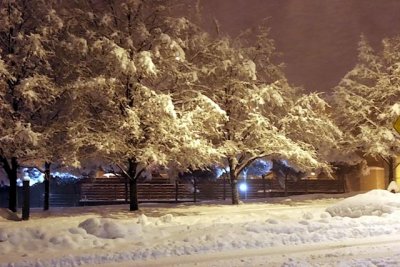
243	187
312	173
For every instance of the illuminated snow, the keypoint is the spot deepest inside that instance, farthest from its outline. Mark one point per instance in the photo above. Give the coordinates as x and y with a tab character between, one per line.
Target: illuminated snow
295	231
35	176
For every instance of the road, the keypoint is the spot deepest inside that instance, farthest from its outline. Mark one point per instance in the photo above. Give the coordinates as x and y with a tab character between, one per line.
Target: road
382	251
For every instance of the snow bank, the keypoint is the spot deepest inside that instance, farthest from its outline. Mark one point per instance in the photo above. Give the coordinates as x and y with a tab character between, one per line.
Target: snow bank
194	229
111	229
6	214
393	187
375	202
103	228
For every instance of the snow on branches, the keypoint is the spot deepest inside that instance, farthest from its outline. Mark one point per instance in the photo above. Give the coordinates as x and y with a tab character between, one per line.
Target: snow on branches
129	102
27	34
367	99
260	106
127	84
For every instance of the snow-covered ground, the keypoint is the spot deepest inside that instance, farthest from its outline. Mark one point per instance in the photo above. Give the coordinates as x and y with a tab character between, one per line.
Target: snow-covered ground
313	230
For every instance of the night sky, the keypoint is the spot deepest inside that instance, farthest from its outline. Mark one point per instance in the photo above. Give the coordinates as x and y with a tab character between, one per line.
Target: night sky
318	38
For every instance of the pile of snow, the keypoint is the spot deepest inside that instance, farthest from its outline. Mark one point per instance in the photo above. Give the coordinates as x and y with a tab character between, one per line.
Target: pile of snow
6	214
393	187
375	202
103	228
101	235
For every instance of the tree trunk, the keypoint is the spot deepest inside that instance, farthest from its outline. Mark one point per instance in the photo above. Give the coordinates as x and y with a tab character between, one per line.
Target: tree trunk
46	200
133	197
234	187
133	206
391	169
12	176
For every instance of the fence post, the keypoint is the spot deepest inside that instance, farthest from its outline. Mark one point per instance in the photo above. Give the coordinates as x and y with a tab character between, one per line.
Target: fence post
26	201
341	183
149	189
306	185
126	189
176	190
264	189
195	190
46	199
76	195
286	186
224	183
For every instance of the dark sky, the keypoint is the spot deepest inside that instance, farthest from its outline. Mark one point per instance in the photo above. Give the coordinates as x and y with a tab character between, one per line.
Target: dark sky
318	38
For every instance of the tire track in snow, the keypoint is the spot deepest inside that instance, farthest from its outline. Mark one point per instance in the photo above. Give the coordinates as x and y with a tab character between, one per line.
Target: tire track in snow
322	254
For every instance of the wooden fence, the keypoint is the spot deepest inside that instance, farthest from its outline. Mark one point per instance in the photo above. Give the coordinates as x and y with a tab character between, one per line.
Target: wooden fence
65	195
116	190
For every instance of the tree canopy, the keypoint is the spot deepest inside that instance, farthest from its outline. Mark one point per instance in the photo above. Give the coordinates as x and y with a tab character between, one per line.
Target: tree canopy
128	84
367	100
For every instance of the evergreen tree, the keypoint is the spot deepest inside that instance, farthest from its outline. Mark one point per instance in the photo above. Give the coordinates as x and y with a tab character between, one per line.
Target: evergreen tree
367	101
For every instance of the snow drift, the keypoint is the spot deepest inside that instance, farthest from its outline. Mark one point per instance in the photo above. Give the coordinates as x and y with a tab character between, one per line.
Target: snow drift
375	202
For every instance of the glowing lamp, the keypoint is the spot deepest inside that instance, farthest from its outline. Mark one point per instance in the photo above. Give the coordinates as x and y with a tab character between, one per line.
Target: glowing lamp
243	187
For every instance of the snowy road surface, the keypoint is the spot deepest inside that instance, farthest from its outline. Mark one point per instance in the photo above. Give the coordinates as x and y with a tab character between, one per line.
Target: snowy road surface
363	230
367	252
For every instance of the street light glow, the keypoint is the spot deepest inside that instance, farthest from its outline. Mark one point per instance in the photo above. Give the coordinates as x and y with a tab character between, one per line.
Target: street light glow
243	187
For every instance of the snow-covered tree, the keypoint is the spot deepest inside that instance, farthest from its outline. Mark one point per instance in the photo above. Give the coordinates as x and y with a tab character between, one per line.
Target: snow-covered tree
367	101
127	106
259	103
310	120
27	89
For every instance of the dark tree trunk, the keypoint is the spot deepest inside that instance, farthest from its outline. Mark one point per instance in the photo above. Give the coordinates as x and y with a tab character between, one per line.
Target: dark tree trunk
234	181
391	165
133	206
46	200
133	197
26	205
11	172
234	187
13	185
